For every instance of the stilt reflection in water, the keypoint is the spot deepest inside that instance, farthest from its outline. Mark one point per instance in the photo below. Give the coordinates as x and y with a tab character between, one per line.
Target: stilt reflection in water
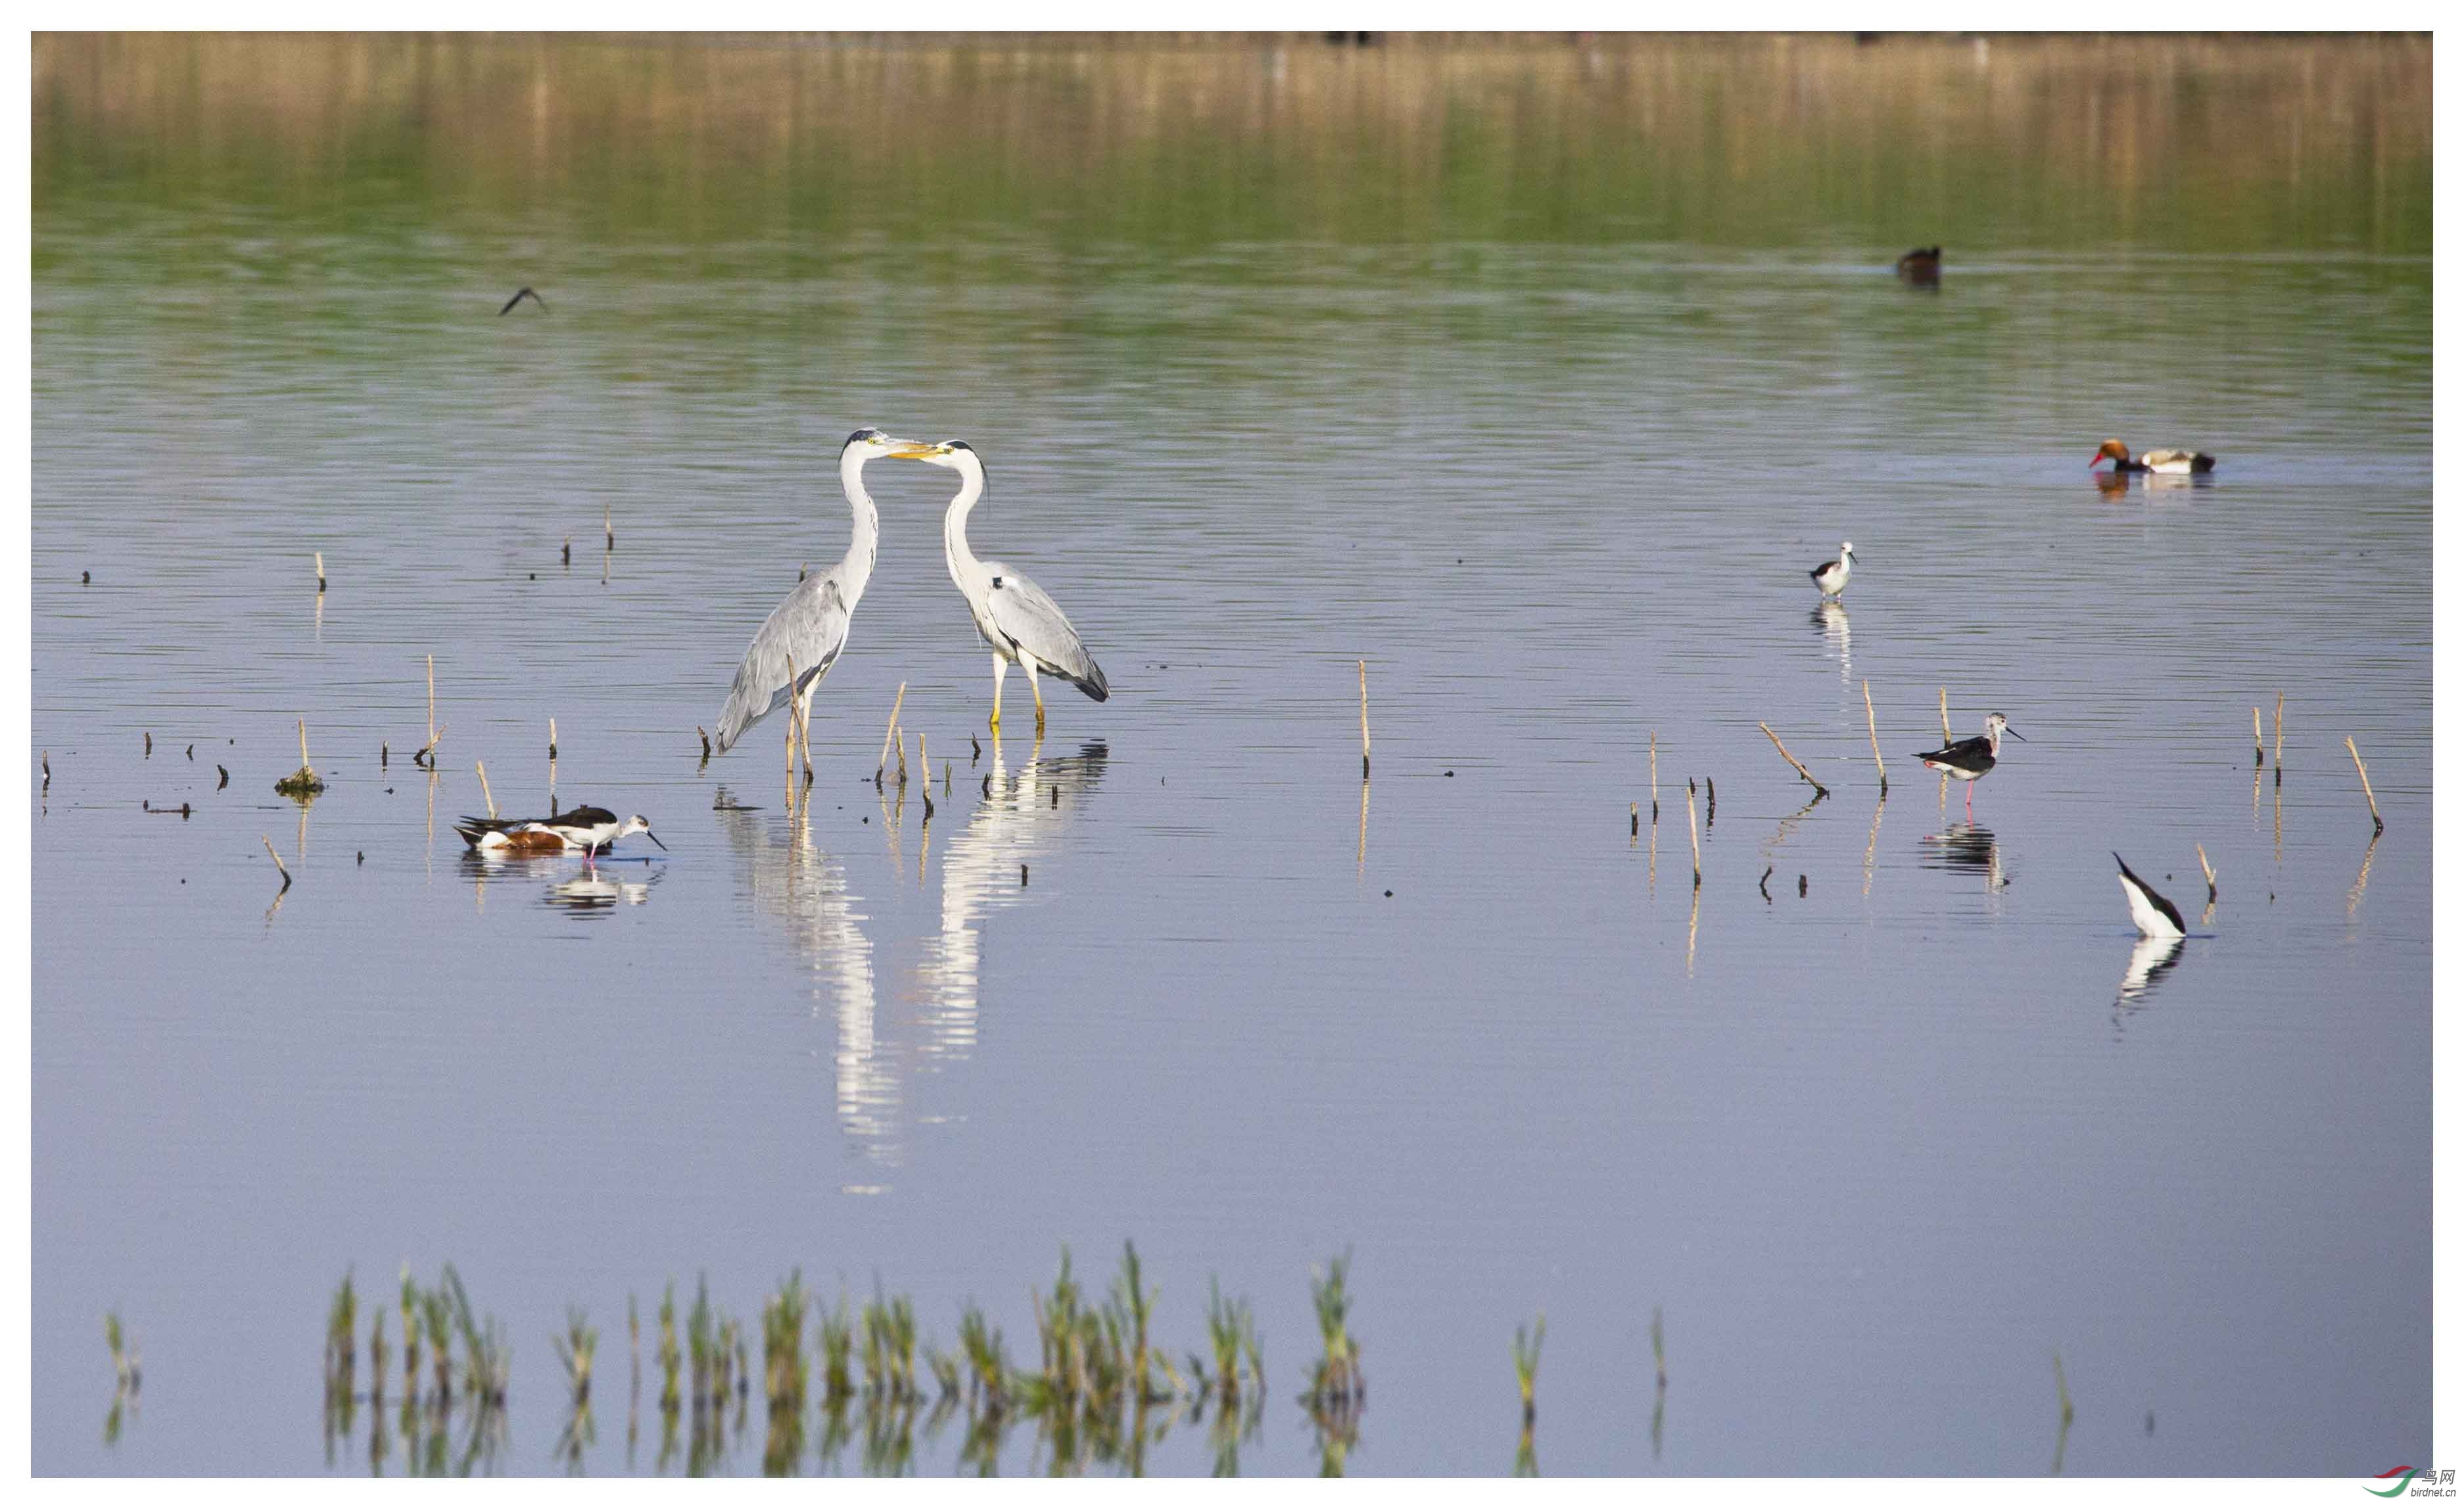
562	884
1831	617
1969	848
2152	959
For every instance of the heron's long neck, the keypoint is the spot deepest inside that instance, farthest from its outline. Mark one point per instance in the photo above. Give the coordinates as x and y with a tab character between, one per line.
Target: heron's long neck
964	568
857	567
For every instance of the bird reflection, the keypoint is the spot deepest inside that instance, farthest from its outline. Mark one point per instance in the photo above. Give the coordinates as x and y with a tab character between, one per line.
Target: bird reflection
566	890
1831	619
804	891
1019	819
1967	848
2152	959
592	893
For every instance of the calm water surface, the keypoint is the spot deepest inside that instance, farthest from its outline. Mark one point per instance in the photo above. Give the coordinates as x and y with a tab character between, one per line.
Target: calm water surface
1876	1150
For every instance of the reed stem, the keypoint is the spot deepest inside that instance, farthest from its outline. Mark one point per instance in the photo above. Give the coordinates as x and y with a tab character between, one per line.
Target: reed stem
1364	720
1818	787
2209	868
551	740
2378	824
320	571
2279	739
278	862
1875	739
1946	717
1693	834
2257	745
303	744
889	732
482	767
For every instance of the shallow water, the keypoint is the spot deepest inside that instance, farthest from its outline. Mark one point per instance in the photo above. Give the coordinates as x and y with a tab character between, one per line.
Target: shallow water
1876	1152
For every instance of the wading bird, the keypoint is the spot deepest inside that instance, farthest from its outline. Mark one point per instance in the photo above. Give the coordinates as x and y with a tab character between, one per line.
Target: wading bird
2155	916
2173	462
1017	618
1970	758
809	627
588	829
1831	576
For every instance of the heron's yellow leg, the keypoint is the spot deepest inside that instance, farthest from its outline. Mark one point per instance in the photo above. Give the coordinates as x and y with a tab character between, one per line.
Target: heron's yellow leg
1036	687
1001	672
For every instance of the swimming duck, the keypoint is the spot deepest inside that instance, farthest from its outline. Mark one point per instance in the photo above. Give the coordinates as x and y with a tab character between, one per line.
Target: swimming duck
1923	265
2168	461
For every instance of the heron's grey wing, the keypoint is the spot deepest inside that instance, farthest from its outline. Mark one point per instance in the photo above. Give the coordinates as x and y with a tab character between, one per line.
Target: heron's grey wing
1028	618
810	627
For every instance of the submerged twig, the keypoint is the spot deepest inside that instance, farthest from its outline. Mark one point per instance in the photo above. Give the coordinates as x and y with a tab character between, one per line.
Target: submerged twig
285	869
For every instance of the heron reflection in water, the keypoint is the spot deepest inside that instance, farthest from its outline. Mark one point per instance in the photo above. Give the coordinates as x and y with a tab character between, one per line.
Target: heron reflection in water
988	866
1968	850
803	891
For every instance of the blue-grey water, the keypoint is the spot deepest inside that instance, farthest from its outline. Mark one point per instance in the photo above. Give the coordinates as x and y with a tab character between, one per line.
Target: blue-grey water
1879	1135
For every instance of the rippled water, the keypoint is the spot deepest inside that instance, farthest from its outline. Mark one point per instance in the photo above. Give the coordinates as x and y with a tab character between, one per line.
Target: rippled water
1890	1112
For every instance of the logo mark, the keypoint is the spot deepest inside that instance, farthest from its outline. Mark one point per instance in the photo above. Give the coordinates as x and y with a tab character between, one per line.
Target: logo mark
2404	1474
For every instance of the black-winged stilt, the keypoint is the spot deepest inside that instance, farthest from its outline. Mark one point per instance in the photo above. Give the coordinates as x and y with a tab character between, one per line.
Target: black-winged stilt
2155	916
1831	576
2174	462
588	829
1970	758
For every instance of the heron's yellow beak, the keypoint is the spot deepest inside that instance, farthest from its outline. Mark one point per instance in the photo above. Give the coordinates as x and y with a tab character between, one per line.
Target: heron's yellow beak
914	450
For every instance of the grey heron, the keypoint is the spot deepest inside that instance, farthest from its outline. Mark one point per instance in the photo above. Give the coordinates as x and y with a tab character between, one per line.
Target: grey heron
1017	618
808	630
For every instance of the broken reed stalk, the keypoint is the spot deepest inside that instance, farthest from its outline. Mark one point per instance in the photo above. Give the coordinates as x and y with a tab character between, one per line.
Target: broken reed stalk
482	767
431	702
2378	824
705	740
1364	720
2279	737
889	732
1946	717
303	744
551	740
1875	739
607	521
320	571
1693	834
278	862
1818	787
2257	745
1655	777
2209	868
